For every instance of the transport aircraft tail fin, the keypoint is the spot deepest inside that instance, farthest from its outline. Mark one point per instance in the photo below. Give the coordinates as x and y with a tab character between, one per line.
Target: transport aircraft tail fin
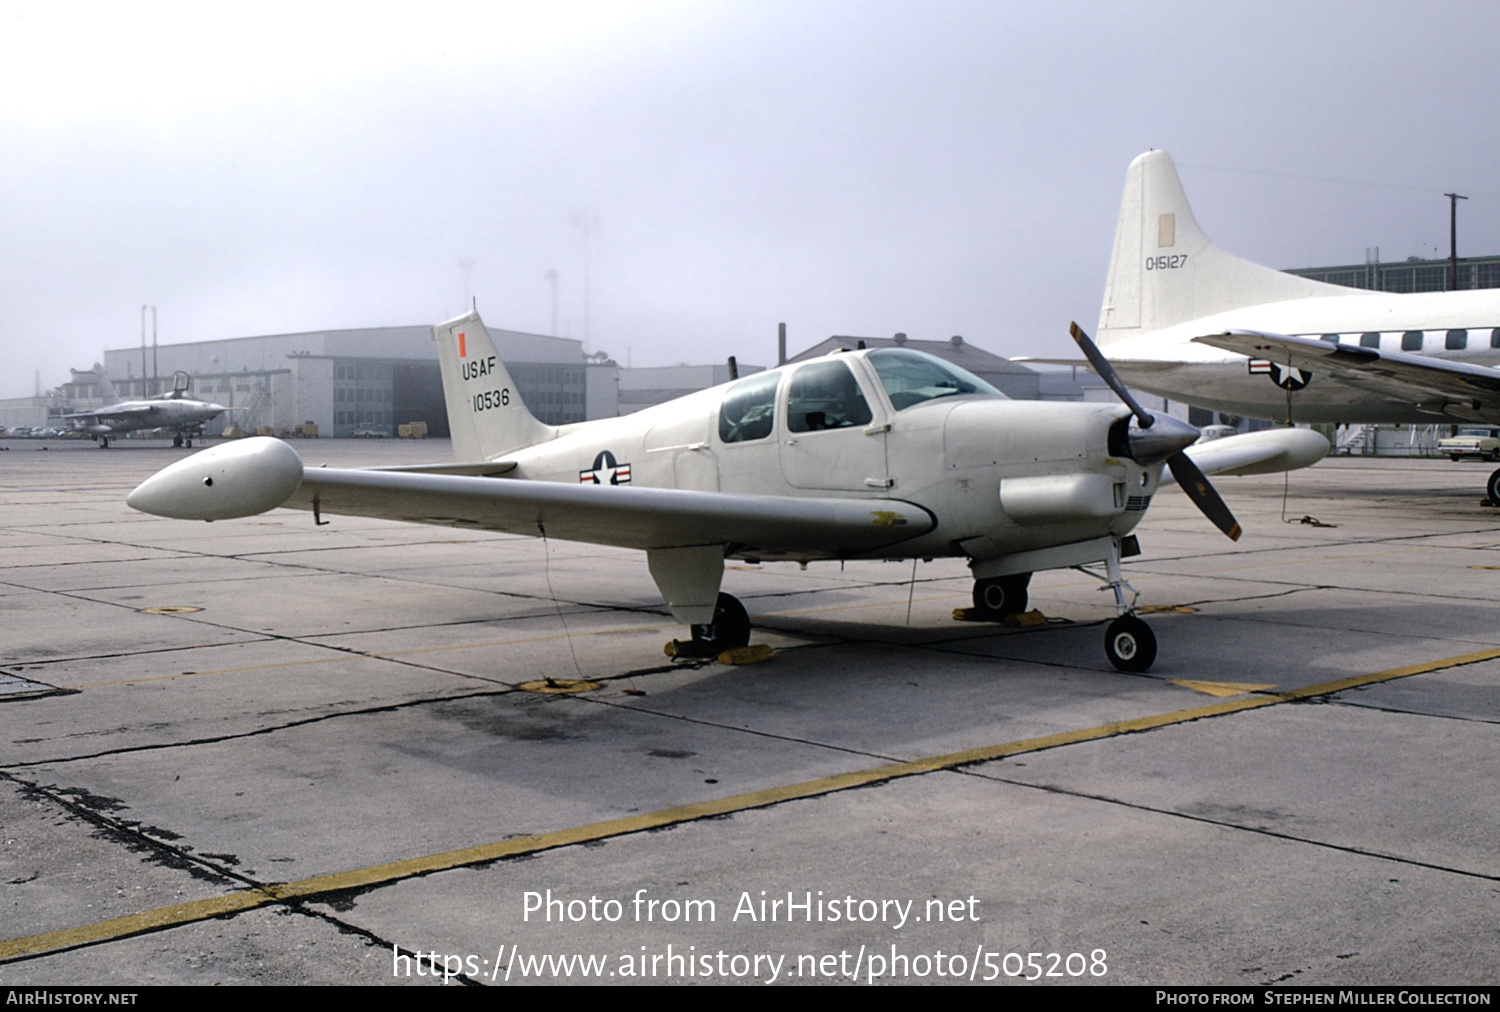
1165	271
485	411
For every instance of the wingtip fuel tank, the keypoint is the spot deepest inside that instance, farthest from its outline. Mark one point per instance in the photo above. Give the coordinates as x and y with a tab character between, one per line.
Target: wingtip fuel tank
231	480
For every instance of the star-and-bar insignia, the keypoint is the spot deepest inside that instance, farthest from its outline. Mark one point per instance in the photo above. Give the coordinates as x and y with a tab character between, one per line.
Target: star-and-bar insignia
606	471
1286	377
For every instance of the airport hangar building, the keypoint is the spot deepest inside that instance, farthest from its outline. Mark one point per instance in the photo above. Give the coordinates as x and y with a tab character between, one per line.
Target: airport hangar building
343	381
377	379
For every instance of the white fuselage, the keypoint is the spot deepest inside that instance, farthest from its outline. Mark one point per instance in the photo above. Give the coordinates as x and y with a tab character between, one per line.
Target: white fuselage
953	456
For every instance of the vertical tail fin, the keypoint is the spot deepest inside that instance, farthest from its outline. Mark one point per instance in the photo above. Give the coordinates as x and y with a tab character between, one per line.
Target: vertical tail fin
485	412
106	388
1165	271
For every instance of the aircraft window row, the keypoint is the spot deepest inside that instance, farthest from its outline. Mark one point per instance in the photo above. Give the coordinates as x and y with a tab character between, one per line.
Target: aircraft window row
749	409
1415	340
910	377
825	395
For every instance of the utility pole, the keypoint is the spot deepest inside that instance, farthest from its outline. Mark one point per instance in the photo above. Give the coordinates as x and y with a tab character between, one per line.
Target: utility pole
1453	199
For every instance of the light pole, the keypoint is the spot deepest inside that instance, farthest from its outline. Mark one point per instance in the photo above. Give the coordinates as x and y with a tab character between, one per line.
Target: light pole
587	222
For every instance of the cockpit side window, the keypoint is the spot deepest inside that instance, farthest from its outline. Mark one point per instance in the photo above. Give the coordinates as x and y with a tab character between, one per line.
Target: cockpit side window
910	377
749	409
825	395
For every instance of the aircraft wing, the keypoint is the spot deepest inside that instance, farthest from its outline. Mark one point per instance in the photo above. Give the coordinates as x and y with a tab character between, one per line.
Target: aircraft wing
255	475
1456	388
1263	452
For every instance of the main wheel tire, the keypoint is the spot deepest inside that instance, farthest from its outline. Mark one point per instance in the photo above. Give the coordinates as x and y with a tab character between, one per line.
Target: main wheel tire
1000	596
729	629
1492	487
1130	644
177	441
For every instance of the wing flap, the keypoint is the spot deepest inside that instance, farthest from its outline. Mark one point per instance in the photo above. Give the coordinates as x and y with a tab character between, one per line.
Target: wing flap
478	469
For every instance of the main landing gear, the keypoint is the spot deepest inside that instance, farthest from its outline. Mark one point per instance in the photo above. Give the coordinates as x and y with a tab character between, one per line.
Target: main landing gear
729	629
177	440
999	596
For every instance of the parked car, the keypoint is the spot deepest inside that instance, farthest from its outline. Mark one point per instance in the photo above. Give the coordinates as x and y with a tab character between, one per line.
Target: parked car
1479	443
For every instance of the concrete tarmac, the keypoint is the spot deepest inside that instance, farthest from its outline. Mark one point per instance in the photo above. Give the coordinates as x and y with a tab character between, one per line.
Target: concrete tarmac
263	751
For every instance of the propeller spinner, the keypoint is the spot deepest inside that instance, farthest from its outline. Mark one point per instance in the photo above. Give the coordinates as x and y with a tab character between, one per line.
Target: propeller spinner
1168	442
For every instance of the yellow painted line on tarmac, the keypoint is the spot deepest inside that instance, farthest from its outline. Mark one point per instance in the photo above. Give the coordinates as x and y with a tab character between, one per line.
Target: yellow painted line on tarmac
382	874
1224	689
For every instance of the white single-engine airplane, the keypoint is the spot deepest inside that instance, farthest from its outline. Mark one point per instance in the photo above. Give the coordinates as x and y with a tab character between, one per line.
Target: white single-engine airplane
175	411
881	454
1186	320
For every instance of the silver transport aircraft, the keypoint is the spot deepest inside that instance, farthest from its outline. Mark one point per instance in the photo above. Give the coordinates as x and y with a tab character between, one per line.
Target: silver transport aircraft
879	454
176	411
1183	319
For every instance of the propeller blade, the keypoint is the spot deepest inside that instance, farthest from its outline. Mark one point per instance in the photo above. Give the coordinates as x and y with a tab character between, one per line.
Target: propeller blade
1107	374
1192	481
1189	478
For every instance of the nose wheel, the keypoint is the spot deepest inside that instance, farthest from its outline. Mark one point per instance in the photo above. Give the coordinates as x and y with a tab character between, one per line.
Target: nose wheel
1130	644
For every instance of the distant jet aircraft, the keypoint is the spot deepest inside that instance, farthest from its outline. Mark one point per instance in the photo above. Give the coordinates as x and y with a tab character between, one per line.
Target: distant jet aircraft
1184	319
880	454
175	411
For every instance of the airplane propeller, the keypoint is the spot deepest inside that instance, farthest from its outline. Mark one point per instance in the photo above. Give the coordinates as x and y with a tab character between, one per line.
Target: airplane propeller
1169	442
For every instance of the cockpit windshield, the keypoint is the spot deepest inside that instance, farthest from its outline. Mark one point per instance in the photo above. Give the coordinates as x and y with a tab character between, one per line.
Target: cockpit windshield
911	377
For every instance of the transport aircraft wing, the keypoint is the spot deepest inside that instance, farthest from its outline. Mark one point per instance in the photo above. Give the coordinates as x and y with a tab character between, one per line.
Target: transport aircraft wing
1461	389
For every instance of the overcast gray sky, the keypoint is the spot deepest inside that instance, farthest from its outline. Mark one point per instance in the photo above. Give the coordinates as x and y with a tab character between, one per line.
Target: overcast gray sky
847	167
